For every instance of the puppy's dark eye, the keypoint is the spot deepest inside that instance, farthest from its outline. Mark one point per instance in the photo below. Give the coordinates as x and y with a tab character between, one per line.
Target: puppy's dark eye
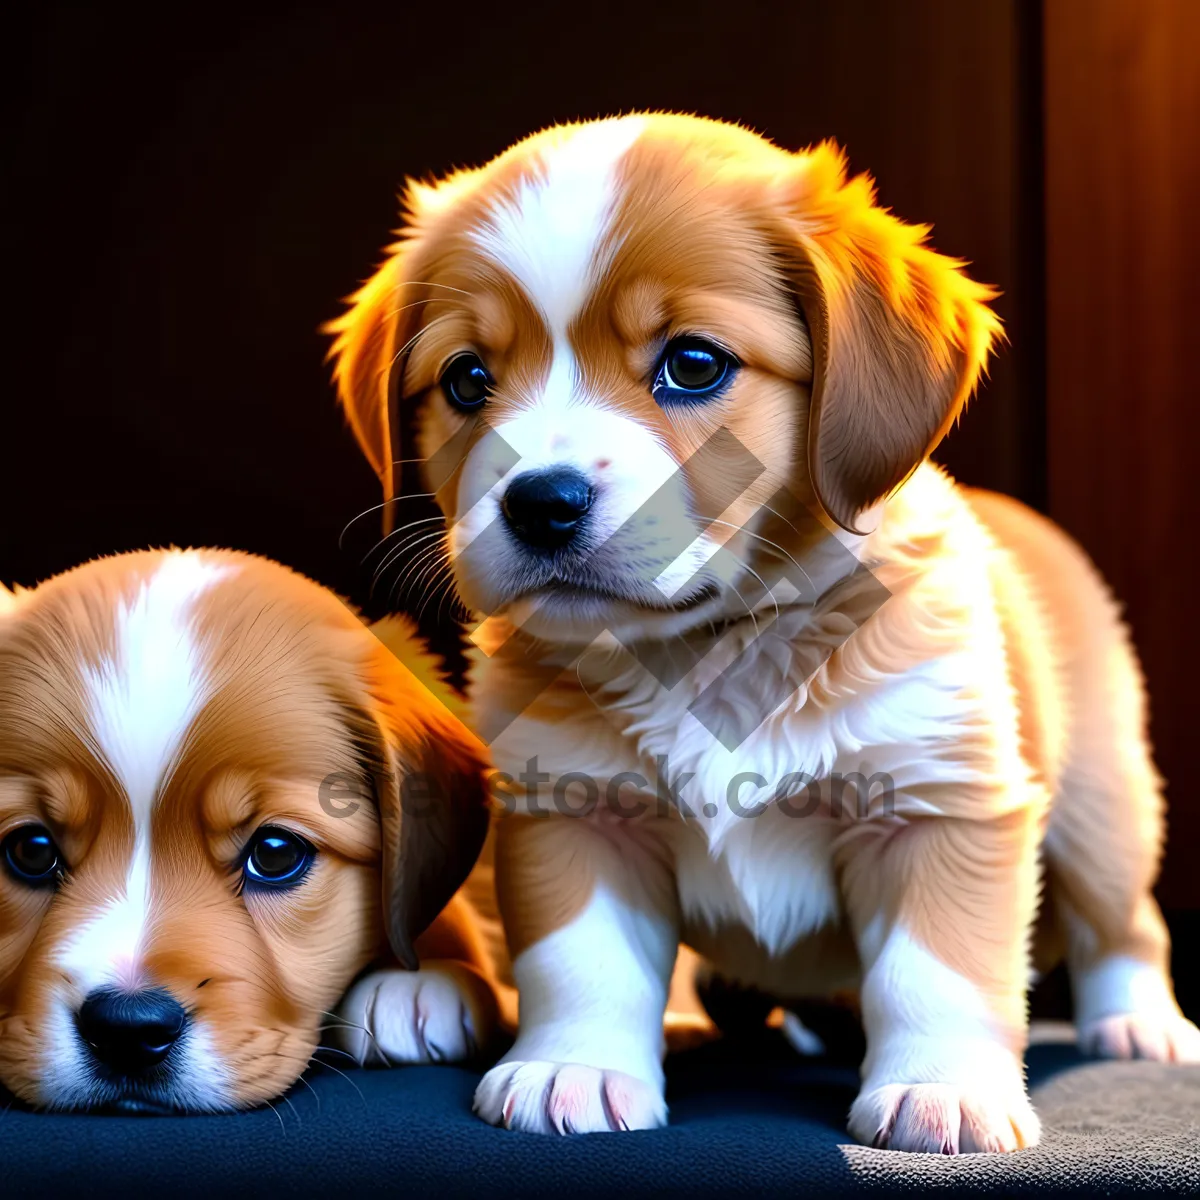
31	856
277	858
692	369
466	383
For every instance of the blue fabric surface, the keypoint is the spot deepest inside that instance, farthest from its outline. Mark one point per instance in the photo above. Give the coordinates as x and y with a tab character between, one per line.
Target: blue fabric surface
746	1118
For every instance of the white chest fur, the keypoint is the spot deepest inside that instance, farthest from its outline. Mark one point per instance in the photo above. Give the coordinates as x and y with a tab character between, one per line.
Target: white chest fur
773	877
912	716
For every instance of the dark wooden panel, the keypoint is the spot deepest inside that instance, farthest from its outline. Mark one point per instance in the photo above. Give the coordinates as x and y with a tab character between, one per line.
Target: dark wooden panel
935	100
1122	96
185	210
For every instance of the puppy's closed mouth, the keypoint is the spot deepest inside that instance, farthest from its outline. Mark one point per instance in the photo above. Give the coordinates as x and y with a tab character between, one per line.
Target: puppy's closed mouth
563	592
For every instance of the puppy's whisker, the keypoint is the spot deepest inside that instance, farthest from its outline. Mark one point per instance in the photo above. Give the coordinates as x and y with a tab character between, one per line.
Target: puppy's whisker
776	513
451	593
435	565
427	583
405	579
292	1107
396	533
428	283
366	512
413	586
749	610
412	341
766	590
316	1094
333	1050
279	1118
408	544
399	462
345	1023
417	303
329	1066
437	587
765	541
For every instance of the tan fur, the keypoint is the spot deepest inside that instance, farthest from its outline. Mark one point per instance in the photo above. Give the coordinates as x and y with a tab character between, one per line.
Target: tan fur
296	684
966	888
533	899
1103	848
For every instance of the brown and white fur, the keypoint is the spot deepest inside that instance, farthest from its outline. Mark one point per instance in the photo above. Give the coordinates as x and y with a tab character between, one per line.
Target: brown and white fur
995	686
158	708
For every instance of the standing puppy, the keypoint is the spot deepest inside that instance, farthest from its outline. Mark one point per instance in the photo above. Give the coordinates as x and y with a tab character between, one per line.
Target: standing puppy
764	679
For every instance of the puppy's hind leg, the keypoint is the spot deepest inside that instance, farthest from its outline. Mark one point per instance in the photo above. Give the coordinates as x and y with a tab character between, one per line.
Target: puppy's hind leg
1104	838
1102	851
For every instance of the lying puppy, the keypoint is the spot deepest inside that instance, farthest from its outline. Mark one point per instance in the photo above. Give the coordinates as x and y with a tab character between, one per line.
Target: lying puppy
204	767
776	685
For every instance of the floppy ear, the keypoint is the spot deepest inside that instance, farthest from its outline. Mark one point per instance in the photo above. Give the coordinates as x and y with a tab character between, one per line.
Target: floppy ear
364	346
372	335
432	792
899	334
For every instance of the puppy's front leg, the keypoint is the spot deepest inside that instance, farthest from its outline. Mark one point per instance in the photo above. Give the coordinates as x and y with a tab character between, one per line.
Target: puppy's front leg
941	909
445	1012
591	919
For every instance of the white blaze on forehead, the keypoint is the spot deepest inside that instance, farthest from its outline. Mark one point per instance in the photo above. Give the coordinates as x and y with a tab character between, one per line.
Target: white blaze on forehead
547	235
553	235
140	702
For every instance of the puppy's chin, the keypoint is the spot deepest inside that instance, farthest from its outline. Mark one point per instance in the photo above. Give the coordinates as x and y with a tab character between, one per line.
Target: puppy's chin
567	615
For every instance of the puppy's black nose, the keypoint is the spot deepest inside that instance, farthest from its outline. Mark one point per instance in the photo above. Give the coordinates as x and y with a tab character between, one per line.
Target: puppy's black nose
546	508
130	1032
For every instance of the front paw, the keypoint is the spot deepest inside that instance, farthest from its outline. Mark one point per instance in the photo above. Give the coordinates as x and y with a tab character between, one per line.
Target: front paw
548	1097
944	1118
392	1017
1160	1038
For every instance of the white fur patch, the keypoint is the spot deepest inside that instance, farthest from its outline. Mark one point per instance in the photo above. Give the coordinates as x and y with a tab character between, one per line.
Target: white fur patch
615	962
141	700
774	876
925	1022
140	703
628	467
1120	984
938	1075
588	1057
66	1077
547	235
201	1080
106	951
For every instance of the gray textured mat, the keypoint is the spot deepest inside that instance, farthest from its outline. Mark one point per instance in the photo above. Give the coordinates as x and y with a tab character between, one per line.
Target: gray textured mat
747	1118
